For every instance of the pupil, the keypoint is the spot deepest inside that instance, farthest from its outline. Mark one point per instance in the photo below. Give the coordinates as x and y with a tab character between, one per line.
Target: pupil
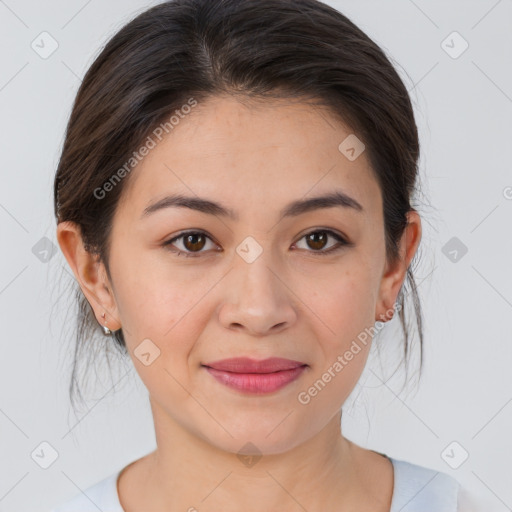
190	238
320	235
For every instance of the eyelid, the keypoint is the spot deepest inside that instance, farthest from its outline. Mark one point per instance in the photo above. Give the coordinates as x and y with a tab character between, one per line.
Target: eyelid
341	239
342	242
168	243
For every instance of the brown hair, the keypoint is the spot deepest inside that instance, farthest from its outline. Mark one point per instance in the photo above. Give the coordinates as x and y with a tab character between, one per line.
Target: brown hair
250	48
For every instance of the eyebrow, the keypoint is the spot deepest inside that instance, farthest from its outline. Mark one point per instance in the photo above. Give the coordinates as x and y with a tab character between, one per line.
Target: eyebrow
337	198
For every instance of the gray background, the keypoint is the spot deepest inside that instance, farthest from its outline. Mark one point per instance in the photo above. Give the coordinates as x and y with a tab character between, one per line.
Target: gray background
464	112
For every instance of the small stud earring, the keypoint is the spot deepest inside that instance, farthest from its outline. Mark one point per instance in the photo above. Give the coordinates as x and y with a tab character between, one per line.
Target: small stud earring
106	330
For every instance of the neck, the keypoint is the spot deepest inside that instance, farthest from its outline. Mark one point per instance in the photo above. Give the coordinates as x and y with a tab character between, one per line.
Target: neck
187	472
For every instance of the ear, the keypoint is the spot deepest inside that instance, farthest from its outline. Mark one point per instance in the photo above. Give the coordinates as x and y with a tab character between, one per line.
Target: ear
90	274
394	275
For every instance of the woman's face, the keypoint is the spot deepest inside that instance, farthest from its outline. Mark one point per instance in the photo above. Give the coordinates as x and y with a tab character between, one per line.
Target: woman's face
259	284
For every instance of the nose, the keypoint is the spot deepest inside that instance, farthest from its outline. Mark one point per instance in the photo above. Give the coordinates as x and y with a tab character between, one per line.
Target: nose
257	298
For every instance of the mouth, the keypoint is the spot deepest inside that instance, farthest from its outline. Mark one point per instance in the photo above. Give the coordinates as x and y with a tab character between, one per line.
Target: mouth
252	376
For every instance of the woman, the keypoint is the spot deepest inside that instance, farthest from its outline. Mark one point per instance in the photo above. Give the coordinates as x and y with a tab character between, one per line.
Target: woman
234	198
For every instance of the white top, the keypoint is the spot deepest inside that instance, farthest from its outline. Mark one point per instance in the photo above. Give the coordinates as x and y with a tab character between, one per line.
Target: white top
416	489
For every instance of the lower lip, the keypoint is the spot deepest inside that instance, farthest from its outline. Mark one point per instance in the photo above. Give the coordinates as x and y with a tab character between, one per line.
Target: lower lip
256	382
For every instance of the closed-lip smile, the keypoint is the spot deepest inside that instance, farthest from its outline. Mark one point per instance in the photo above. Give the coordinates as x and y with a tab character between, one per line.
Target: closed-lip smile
256	376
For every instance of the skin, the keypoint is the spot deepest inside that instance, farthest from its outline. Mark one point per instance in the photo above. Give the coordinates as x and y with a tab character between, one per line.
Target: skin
290	302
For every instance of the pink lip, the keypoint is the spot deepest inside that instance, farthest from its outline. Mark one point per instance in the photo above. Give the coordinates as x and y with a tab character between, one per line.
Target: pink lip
253	376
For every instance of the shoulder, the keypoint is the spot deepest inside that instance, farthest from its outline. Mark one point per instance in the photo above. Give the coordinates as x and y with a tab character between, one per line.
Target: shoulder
100	496
421	489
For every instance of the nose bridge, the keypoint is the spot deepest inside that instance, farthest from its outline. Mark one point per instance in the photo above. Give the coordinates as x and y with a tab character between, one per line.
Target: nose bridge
257	299
255	269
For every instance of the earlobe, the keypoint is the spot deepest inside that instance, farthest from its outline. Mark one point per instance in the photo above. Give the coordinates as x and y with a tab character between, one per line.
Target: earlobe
395	273
90	274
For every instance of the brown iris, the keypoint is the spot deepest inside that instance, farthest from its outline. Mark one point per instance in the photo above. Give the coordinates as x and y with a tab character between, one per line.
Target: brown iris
191	242
318	239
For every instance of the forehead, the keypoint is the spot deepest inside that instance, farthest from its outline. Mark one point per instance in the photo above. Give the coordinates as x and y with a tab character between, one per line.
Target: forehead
252	153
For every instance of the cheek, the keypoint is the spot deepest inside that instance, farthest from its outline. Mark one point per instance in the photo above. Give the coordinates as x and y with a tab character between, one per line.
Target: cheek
161	306
153	296
343	314
345	303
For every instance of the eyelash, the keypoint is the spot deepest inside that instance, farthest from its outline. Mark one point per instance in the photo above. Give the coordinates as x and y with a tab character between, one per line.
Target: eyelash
343	243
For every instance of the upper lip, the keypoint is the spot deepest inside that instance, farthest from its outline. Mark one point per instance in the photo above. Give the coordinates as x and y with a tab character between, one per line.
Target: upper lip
248	365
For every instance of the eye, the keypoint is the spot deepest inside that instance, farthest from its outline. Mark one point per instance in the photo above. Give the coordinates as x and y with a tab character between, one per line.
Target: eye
318	239
194	241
